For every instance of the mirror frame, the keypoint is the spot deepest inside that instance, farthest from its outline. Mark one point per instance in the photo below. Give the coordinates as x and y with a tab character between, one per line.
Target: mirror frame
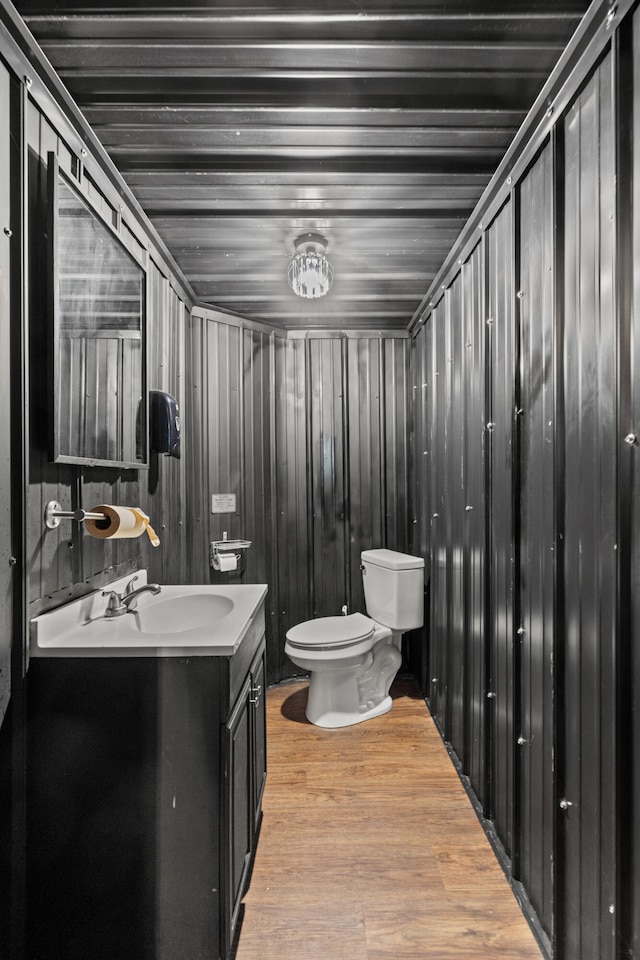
55	176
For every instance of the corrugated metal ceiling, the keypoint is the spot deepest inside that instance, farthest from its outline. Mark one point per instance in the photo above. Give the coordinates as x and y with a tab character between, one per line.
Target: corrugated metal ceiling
240	126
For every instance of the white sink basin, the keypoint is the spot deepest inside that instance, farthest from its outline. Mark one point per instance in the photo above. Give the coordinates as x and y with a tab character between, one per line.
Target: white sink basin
173	612
202	620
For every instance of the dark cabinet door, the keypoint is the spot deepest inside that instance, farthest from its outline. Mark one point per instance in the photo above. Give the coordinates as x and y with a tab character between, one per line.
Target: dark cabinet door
238	827
259	717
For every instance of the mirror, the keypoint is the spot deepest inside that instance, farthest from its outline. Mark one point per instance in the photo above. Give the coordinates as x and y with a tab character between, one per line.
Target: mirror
98	354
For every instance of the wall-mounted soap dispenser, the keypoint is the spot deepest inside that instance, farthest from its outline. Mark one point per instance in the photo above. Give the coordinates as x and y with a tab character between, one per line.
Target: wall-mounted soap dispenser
164	420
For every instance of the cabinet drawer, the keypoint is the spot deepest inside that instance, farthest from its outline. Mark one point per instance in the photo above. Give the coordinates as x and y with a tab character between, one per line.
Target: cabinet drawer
241	661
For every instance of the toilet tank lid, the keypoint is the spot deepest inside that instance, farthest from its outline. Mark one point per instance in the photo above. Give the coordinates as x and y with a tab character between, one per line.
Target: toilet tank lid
391	560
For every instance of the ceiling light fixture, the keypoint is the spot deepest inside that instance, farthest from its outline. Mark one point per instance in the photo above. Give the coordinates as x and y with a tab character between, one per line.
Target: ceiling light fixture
310	274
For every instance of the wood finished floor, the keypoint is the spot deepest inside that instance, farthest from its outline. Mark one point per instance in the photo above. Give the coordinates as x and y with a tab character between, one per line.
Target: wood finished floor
370	849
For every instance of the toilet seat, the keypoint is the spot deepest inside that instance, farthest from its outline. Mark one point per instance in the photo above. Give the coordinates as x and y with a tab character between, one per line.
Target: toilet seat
331	632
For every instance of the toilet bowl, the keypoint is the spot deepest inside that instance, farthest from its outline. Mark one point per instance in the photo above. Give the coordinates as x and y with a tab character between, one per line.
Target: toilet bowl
353	659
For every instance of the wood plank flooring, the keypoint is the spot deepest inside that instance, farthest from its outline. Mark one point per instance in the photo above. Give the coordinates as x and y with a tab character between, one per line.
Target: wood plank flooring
370	849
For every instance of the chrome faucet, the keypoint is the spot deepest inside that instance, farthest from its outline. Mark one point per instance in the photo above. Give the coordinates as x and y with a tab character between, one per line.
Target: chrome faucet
121	603
131	597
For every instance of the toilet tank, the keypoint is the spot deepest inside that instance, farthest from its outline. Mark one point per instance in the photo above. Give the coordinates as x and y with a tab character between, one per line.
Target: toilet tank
393	588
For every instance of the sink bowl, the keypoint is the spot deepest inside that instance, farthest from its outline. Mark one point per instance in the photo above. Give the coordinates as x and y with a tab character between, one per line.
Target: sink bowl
181	620
178	614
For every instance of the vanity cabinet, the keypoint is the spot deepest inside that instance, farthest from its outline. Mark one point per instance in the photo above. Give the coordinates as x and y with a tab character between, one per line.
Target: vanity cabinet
245	776
144	786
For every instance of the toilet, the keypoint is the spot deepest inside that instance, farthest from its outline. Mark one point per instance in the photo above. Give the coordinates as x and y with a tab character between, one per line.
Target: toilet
353	659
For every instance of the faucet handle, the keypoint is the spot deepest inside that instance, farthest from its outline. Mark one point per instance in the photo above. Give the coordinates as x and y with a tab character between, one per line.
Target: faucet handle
114	603
129	587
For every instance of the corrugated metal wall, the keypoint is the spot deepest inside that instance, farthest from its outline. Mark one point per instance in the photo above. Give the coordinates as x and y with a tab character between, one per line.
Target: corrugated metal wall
6	612
533	676
311	434
229	414
535	630
590	520
62	562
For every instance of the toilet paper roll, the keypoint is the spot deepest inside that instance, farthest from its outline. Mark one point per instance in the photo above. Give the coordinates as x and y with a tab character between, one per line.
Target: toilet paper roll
227	561
118	523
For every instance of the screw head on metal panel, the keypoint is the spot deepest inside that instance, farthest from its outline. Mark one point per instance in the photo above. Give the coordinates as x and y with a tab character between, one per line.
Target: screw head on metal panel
435	515
8	232
83	152
611	14
28	82
549	112
509	181
490	425
434	679
491	695
520	631
520	294
468	508
521	741
630	439
612	908
565	804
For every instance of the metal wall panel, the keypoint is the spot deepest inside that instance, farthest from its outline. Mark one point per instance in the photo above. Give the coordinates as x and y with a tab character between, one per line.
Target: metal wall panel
165	493
312	436
563	411
501	359
630	465
474	502
451	352
455	511
342	452
366	463
395	432
64	561
537	564
196	449
590	535
326	476
294	572
440	565
420	493
6	575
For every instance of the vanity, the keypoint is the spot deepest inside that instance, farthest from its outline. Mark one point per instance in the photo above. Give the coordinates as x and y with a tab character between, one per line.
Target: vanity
147	764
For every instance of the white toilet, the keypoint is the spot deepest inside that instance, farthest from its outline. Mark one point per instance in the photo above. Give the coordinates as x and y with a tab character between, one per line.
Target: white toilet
352	660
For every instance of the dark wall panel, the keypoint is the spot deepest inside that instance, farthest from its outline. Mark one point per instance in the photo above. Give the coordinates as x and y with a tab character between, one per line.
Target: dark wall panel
474	504
326	476
454	512
440	552
230	409
537	555
5	400
294	572
311	434
630	427
419	490
62	562
590	536
501	361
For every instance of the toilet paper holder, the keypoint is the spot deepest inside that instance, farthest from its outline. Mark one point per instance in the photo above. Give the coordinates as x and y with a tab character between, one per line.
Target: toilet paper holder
54	513
218	548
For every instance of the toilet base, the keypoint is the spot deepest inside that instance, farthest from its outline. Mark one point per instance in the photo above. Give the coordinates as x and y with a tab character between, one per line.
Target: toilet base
343	693
332	719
